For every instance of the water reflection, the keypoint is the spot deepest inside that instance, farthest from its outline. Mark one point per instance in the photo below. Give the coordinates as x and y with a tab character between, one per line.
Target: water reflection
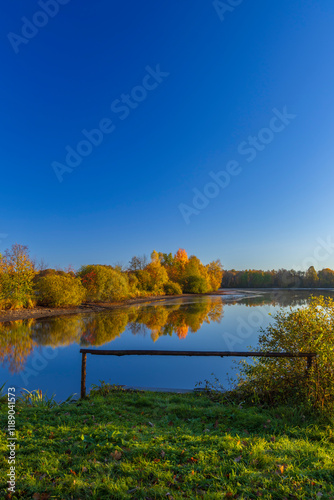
16	343
19	338
280	297
181	317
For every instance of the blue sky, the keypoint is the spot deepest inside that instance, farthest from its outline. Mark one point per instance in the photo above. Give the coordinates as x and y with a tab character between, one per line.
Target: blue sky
198	83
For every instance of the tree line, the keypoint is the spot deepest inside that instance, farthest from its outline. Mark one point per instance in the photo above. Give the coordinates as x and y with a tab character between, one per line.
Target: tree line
25	284
283	278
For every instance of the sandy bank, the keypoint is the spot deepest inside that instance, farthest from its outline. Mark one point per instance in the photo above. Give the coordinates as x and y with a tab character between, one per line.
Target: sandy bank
87	307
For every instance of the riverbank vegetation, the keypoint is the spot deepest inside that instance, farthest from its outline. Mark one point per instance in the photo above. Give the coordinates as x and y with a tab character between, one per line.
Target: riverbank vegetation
283	278
120	444
282	380
23	284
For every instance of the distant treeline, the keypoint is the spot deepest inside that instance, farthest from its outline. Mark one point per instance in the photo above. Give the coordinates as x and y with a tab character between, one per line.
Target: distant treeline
283	278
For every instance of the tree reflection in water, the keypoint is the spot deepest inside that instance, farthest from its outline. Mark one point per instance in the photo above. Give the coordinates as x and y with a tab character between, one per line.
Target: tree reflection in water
16	344
19	338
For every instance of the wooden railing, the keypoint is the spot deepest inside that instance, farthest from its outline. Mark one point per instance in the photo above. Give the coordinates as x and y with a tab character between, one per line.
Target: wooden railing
222	354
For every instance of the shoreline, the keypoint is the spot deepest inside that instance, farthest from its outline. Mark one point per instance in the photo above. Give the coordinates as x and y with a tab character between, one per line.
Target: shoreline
92	307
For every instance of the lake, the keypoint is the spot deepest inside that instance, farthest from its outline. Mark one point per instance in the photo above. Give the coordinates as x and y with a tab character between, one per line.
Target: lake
44	354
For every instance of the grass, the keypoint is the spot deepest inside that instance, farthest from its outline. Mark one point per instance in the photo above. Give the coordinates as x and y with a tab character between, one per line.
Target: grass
120	444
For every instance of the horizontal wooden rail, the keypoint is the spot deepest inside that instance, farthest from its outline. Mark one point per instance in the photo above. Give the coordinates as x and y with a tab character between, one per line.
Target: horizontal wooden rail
150	352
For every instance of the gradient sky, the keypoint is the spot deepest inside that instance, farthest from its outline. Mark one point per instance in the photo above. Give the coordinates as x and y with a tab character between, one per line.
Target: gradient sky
223	75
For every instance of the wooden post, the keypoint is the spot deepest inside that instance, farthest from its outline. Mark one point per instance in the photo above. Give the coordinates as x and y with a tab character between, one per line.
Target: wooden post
83	375
309	364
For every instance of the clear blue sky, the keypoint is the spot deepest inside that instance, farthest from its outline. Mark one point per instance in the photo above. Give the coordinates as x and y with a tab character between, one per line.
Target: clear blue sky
212	79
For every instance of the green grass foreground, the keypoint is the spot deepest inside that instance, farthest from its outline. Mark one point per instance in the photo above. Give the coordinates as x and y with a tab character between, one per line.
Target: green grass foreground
155	445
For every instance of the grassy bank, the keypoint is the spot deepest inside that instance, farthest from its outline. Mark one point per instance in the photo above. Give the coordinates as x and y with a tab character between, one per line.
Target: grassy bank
154	445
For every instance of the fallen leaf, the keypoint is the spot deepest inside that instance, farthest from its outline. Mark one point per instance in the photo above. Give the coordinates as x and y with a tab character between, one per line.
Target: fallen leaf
117	455
238	458
150	424
84	469
216	424
163	453
36	496
73	472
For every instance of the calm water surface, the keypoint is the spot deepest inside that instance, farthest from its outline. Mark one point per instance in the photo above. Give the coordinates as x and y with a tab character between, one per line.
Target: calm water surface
44	354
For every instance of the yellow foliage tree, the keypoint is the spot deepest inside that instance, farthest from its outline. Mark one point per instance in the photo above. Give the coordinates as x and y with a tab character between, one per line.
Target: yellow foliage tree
16	278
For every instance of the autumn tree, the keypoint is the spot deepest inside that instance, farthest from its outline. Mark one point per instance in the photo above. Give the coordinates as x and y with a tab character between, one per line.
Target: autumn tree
158	274
215	274
103	283
176	268
326	278
311	277
16	278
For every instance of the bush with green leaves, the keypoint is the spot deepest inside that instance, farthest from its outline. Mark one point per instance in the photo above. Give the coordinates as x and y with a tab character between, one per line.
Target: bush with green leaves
171	288
307	329
103	283
55	290
194	284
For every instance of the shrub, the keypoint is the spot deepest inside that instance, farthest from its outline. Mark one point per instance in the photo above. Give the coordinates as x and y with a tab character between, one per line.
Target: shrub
133	285
194	284
16	278
307	329
55	290
171	288
104	283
